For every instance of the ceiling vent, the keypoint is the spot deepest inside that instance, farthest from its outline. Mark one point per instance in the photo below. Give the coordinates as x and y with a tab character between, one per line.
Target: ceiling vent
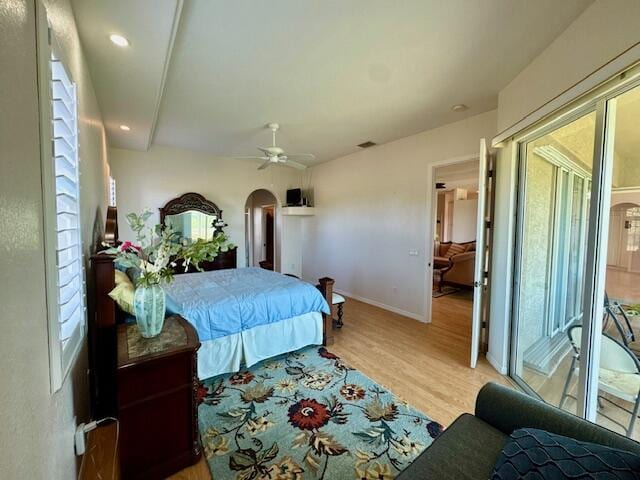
367	144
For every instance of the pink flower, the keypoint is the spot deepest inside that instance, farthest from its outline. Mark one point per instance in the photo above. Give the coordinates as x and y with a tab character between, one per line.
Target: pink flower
127	245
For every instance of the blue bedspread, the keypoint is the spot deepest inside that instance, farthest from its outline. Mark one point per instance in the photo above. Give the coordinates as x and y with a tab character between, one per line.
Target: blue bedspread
224	302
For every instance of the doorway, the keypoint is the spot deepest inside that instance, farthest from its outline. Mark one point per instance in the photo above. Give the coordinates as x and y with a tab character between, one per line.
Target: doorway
455	226
461	193
268	218
261	230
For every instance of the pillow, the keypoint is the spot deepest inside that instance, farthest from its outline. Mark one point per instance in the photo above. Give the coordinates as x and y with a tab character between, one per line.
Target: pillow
133	273
121	277
454	249
123	292
535	454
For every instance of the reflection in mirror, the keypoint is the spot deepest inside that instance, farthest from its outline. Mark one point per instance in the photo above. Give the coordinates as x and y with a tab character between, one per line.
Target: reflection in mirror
192	225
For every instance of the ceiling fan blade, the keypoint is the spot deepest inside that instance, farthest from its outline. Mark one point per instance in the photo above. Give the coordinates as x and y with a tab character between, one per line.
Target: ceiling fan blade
251	157
302	155
293	164
264	165
264	150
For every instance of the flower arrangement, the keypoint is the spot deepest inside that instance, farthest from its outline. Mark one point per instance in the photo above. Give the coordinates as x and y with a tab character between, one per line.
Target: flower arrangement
157	250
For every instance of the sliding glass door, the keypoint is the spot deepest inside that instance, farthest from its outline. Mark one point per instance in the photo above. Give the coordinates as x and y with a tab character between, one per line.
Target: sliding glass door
616	370
576	309
554	197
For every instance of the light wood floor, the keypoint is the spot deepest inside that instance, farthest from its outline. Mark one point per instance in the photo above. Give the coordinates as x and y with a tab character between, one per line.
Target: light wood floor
623	286
425	364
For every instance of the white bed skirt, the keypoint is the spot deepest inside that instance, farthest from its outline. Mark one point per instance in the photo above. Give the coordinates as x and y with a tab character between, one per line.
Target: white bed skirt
226	354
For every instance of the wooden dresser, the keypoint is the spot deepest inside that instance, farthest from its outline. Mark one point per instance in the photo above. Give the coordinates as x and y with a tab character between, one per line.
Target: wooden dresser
157	383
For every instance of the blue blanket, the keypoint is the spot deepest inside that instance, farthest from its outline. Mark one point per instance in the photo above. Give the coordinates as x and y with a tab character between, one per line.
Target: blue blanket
224	302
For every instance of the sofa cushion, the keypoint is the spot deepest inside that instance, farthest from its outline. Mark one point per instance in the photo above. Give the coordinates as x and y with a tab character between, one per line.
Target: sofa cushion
454	249
533	453
468	449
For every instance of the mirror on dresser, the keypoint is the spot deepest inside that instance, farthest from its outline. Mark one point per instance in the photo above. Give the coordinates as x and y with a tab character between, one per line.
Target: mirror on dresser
195	217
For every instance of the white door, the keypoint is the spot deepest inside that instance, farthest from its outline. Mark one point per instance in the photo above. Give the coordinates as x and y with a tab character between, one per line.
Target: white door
478	277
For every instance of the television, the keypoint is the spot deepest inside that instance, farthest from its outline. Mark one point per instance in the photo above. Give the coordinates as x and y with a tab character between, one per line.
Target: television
294	197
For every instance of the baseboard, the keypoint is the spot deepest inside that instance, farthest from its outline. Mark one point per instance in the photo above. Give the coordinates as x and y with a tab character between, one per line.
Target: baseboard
497	365
384	306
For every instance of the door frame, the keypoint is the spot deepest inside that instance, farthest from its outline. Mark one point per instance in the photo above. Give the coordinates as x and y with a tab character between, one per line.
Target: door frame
432	208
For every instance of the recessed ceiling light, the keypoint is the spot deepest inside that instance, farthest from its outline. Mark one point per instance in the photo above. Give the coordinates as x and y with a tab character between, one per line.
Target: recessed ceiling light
119	40
460	107
126	128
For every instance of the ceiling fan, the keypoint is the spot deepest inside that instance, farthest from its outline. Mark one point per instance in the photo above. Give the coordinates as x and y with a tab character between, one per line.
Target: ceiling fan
274	154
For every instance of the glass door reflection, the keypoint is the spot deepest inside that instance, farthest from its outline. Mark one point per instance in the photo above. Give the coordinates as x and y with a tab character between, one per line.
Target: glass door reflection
554	199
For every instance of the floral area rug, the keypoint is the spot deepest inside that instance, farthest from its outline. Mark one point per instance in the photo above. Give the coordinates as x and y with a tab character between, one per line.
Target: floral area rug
307	415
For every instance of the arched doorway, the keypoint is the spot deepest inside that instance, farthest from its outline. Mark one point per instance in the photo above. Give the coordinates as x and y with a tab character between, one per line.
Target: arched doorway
624	237
261	236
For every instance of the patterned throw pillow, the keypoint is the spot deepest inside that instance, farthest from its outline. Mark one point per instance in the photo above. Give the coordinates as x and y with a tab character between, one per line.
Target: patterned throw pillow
455	249
536	454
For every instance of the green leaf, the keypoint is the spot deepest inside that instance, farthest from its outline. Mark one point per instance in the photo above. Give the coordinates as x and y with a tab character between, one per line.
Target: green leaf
269	454
295	371
242	459
145	215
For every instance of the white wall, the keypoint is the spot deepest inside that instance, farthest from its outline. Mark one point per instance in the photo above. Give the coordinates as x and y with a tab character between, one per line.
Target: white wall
465	213
37	427
372	208
151	178
603	31
292	244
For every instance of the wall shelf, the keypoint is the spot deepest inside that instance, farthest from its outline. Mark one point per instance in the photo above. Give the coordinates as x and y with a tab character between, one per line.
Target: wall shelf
299	211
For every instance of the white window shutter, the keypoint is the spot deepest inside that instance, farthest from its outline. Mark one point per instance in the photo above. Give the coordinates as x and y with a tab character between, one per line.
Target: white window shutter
69	281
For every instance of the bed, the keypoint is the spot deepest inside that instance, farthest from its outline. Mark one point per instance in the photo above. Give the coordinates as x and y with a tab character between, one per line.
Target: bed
245	315
241	316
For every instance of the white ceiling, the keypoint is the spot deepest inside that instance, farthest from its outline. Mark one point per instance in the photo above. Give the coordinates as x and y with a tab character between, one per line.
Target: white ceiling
459	175
334	73
128	81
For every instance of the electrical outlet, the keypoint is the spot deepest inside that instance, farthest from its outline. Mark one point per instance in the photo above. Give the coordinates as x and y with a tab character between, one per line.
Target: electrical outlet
413	253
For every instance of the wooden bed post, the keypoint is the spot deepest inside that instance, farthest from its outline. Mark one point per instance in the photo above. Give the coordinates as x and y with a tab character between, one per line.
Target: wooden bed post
326	287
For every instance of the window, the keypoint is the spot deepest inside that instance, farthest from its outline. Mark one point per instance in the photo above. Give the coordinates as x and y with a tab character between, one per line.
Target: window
61	192
112	191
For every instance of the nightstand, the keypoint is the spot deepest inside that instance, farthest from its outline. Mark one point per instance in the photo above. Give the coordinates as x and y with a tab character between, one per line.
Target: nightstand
157	408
